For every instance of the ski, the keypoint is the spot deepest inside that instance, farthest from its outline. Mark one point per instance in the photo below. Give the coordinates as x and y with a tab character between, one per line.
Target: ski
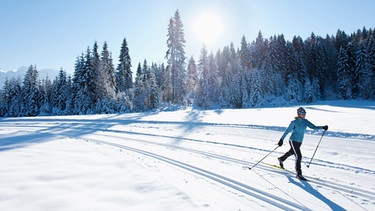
310	179
291	172
278	167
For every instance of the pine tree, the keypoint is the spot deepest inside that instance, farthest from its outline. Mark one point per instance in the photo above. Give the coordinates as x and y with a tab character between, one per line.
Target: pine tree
139	90
256	97
4	99
124	75
351	59
259	52
175	56
90	79
151	89
13	97
85	85
236	86
343	75
245	56
78	84
271	78
213	80
371	57
94	71
202	95
61	93
31	93
296	71
107	73
192	79
363	72
208	86
47	92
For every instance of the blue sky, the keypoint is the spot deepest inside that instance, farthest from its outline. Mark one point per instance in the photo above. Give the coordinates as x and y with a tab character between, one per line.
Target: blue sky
51	34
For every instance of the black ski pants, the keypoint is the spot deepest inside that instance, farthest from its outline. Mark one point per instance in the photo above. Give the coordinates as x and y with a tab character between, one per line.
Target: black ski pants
294	150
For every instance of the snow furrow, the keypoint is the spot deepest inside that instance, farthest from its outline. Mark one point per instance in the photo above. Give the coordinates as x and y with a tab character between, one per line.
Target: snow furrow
325	183
255	193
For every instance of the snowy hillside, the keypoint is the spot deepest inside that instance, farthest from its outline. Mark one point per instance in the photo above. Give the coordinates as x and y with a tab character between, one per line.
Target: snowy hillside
188	160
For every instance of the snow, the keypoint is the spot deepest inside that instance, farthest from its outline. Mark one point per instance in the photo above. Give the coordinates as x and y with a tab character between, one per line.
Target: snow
188	159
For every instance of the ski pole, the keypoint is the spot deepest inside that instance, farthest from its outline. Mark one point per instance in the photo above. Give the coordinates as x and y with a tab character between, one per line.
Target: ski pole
263	158
308	165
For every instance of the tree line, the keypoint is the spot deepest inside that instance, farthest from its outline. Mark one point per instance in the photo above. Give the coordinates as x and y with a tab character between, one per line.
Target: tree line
264	72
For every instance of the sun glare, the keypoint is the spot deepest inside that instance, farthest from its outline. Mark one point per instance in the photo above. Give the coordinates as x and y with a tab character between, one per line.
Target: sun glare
208	28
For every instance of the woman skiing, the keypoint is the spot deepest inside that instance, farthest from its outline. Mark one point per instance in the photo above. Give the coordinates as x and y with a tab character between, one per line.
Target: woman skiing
297	127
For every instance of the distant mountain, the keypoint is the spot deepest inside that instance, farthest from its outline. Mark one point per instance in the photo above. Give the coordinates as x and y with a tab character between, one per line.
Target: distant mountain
21	72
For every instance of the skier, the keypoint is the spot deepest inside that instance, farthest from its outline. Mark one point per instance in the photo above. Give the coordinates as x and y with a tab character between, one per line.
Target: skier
297	127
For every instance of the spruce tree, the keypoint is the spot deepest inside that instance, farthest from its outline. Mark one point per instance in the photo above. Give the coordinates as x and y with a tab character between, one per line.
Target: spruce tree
175	56
124	75
107	72
363	72
202	95
191	79
245	56
31	93
344	75
139	90
12	98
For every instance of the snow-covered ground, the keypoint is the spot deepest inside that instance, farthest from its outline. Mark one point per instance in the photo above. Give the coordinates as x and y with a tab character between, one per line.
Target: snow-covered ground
188	159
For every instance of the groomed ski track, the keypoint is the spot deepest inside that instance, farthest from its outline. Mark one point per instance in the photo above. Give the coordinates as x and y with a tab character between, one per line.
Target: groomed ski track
203	154
273	196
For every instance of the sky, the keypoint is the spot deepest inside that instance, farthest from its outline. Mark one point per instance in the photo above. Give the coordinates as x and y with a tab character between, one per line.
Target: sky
52	34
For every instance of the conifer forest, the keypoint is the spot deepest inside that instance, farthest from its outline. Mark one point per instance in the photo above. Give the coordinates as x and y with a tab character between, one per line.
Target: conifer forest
264	72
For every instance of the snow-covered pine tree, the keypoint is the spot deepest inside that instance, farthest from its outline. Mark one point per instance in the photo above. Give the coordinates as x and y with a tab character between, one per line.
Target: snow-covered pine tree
47	91
151	89
191	80
94	66
371	57
316	69
271	78
245	56
259	51
61	93
256	97
31	93
124	75
343	75
237	86
139	90
214	80
202	93
175	56
77	84
107	72
350	52
159	76
363	72
12	98
84	85
341	40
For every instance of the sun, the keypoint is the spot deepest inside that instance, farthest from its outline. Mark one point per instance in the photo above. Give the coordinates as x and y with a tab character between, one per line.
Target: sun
208	28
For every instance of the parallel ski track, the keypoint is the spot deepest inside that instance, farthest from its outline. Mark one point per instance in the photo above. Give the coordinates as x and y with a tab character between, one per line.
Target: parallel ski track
264	167
316	162
261	195
324	183
247	189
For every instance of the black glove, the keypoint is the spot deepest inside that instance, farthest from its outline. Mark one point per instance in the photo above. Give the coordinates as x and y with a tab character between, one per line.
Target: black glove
325	127
280	142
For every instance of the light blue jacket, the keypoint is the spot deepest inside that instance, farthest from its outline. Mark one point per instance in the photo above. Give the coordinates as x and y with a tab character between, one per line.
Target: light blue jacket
298	127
